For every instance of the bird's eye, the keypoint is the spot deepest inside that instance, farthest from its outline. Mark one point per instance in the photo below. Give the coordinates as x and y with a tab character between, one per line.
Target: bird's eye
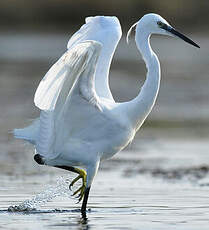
160	24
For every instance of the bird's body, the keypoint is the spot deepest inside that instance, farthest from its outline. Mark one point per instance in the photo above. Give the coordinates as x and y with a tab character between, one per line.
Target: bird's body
80	124
99	135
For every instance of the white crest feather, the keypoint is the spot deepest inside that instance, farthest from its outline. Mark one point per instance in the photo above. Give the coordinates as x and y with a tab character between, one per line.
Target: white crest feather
129	32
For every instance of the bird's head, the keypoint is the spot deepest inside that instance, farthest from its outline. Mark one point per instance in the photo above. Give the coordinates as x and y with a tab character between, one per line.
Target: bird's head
155	24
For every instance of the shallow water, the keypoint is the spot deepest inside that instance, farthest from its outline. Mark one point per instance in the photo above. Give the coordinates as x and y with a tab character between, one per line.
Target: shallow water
126	194
161	181
136	202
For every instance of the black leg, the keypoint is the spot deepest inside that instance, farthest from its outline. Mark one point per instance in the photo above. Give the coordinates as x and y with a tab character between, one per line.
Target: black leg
84	204
68	168
39	160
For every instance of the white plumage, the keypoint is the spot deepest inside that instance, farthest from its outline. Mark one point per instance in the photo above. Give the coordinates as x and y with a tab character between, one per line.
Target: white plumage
75	99
107	31
80	124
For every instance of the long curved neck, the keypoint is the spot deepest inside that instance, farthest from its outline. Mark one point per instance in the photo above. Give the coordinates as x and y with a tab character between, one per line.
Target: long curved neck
141	106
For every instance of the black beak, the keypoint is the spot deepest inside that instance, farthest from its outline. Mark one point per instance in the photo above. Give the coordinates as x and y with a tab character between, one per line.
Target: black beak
176	33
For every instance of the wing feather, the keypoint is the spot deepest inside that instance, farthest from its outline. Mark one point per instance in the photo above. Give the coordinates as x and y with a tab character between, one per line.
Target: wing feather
73	75
63	75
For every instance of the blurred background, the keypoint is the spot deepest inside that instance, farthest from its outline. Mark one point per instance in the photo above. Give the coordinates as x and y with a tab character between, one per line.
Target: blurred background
34	34
62	14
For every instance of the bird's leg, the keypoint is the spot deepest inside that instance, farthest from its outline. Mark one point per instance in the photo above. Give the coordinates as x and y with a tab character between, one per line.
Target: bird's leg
91	172
87	179
82	175
85	200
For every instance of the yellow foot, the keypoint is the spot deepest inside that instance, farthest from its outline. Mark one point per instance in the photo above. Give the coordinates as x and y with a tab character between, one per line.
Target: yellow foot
80	191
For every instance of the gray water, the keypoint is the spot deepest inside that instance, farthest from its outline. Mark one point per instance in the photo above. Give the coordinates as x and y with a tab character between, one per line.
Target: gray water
116	202
160	181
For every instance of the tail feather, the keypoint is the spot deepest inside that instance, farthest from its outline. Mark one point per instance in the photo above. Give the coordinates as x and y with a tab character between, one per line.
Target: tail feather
28	133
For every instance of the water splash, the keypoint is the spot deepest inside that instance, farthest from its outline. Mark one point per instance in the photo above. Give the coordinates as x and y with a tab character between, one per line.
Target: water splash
61	188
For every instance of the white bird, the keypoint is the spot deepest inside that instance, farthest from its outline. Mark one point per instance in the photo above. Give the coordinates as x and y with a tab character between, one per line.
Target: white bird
80	124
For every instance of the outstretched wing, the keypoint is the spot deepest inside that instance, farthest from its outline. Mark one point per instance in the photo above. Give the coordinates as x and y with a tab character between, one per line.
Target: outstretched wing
72	76
57	84
107	31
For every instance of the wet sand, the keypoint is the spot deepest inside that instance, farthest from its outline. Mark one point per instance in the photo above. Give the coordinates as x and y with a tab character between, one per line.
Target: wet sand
159	181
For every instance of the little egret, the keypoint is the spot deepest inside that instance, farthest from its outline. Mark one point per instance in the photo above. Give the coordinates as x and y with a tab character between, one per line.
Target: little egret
80	124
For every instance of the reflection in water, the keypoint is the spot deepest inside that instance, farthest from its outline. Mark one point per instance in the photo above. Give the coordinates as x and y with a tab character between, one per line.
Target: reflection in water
83	223
78	223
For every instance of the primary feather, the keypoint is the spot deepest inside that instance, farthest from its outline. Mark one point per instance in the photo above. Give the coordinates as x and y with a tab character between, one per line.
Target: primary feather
63	75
